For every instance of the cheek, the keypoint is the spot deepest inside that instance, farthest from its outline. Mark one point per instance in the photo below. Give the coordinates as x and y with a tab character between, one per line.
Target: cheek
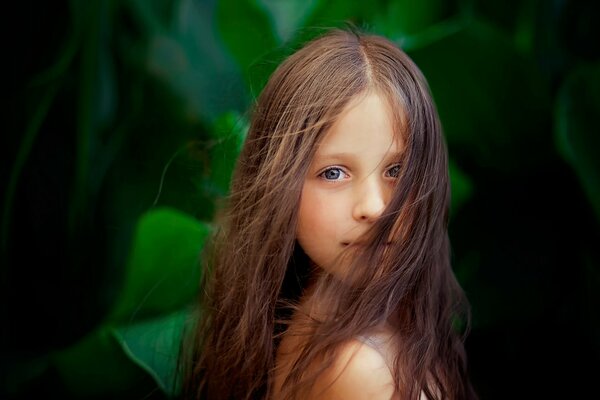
312	216
321	223
318	225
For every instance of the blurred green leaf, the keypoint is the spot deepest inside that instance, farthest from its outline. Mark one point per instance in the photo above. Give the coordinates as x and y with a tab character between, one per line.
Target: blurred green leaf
400	18
211	164
152	15
230	132
492	102
330	13
59	171
461	185
189	58
287	16
576	128
515	17
97	367
163	271
154	345
95	108
22	373
247	31
578	29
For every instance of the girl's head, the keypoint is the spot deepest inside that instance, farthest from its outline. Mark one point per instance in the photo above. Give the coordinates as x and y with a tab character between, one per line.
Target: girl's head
345	160
337	86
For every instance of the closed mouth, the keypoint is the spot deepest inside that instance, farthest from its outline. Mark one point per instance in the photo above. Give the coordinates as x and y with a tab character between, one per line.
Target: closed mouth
362	244
352	244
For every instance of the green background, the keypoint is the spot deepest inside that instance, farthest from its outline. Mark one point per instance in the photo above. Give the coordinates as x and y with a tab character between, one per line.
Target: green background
122	121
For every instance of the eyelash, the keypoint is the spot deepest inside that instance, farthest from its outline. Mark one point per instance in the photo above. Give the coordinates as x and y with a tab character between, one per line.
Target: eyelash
398	166
322	174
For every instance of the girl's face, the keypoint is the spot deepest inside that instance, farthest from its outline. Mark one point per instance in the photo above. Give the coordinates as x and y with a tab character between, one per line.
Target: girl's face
350	180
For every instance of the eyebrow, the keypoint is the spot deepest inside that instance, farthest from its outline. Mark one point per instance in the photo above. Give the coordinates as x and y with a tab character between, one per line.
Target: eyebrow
344	156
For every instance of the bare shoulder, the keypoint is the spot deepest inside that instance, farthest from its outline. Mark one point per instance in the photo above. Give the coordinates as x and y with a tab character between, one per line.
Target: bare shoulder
359	372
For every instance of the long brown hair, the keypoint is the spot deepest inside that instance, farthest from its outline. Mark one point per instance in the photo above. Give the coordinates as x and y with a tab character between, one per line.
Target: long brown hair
254	269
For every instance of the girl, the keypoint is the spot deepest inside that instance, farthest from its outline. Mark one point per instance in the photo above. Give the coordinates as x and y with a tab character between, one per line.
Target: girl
329	276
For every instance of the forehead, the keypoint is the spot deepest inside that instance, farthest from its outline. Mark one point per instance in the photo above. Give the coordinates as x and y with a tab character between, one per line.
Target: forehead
368	124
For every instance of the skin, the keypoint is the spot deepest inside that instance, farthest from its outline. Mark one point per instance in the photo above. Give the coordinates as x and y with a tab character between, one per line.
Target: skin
350	180
349	183
359	373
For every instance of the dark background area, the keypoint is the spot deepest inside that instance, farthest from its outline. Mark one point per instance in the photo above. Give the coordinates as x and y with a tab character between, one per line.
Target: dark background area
122	123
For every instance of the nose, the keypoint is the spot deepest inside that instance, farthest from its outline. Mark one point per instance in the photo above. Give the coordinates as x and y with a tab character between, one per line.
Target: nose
370	200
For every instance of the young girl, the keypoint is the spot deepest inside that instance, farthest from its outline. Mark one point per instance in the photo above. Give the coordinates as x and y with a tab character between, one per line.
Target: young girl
329	276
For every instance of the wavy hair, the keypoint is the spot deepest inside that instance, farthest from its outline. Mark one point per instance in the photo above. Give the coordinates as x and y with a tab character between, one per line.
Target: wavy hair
255	270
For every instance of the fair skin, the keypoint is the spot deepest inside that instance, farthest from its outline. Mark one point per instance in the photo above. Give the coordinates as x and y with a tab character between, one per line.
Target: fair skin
348	185
350	180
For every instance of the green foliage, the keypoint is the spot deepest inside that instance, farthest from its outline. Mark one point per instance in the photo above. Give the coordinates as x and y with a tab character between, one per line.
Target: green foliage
398	19
154	346
163	272
462	187
184	55
96	366
140	338
577	106
246	31
133	117
287	17
490	99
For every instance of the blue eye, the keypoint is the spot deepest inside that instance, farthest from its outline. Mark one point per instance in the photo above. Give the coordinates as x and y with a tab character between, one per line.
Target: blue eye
393	171
333	174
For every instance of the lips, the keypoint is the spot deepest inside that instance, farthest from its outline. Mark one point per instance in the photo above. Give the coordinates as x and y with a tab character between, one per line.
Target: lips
361	243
